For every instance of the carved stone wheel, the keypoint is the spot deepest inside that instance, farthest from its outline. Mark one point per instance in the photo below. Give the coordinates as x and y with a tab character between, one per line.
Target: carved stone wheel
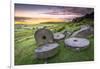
77	43
58	36
43	36
46	51
46	47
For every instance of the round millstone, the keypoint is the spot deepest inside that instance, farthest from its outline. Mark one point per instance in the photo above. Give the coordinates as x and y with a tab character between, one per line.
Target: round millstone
43	36
77	42
46	51
58	36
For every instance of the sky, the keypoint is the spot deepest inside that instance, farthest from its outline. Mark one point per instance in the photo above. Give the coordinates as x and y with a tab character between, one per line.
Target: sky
43	13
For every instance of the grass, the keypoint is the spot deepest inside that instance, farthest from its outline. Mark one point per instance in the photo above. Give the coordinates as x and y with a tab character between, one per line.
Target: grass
25	45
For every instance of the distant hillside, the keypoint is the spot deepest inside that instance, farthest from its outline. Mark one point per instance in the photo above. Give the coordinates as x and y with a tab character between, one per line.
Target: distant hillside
52	22
22	19
87	16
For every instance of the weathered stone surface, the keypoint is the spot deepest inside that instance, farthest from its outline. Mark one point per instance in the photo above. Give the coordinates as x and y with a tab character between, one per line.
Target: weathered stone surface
67	34
46	51
77	42
83	32
43	36
58	36
46	47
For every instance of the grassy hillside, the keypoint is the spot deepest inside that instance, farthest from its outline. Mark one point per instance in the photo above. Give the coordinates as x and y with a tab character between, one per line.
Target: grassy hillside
25	44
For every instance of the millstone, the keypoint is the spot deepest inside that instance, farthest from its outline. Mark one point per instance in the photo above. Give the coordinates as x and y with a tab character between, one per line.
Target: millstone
83	32
46	47
43	36
46	51
58	36
77	42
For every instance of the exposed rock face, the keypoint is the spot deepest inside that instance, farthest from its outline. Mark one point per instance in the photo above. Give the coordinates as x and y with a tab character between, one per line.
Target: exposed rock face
88	16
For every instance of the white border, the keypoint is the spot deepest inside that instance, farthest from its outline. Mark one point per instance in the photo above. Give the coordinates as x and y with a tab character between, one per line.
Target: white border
12	35
79	3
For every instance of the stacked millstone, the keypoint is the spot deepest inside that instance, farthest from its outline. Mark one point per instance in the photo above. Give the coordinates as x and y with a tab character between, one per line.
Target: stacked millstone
46	47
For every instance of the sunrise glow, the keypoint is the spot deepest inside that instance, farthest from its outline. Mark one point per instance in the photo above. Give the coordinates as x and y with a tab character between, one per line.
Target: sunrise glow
35	14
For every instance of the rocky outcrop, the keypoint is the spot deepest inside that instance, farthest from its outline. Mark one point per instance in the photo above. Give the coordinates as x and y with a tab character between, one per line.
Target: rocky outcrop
87	16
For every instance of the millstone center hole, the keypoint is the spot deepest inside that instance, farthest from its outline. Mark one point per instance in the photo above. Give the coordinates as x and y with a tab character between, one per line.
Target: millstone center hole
75	40
44	37
57	35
